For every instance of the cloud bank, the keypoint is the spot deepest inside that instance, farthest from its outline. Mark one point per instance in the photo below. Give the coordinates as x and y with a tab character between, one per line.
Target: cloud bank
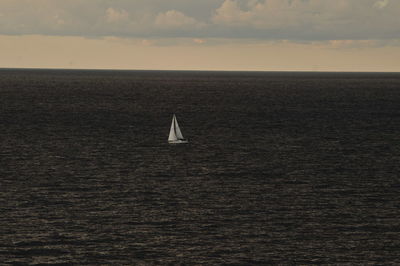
296	20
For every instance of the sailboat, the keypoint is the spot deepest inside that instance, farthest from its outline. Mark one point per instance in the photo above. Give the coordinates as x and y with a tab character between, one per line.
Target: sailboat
175	134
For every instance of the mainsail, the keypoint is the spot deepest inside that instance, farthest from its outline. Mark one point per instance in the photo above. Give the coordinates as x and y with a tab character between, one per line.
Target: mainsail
172	134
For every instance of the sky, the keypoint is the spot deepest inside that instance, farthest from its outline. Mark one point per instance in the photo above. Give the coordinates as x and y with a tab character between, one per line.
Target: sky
261	35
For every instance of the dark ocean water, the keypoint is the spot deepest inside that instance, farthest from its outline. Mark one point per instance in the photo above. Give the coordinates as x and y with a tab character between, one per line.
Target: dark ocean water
289	168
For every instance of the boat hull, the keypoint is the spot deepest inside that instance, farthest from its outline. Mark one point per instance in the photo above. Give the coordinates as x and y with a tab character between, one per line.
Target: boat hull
179	141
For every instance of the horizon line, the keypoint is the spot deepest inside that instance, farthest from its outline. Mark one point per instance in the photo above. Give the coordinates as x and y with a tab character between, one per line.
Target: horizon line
194	70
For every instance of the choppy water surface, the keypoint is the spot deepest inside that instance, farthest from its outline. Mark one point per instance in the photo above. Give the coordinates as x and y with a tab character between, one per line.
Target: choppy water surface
281	168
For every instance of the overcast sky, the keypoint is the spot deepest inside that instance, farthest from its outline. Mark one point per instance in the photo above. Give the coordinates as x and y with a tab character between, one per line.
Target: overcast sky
339	35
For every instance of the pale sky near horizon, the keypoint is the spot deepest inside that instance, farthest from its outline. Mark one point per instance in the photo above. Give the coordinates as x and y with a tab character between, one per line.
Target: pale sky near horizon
269	35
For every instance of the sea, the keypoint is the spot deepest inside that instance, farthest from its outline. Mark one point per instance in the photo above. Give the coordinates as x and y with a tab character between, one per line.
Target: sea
288	168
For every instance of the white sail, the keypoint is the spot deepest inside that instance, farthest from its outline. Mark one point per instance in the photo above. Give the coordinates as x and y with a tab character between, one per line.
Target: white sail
172	134
178	130
175	134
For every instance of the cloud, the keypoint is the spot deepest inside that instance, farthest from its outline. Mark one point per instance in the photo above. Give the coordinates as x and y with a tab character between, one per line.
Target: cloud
115	15
353	43
310	19
199	41
175	19
381	4
297	20
230	14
